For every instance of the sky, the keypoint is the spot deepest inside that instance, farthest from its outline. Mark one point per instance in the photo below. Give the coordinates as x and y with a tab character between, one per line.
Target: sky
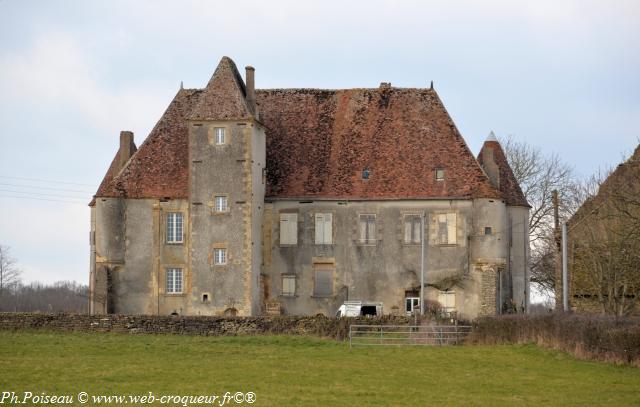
559	75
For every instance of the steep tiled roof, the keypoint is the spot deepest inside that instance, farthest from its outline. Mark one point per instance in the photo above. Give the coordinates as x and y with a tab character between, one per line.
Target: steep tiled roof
320	141
509	186
625	180
318	144
224	98
113	170
160	167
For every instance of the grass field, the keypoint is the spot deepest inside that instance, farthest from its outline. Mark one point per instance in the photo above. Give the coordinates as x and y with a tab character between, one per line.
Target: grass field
284	371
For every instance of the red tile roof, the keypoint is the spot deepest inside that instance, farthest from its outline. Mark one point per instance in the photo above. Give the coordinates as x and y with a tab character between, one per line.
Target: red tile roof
320	141
624	181
509	186
224	97
318	144
159	168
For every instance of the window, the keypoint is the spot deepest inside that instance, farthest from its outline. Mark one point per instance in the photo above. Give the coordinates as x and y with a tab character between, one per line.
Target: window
221	204
174	227
446	228
447	300
366	173
324	230
412	229
439	174
174	281
288	285
219	135
368	229
219	257
487	230
288	228
323	280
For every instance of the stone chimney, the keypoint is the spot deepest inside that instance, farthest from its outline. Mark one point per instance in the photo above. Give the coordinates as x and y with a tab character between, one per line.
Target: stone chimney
127	147
251	89
489	162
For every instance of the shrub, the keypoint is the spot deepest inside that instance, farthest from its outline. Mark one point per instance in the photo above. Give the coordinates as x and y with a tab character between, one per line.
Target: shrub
589	337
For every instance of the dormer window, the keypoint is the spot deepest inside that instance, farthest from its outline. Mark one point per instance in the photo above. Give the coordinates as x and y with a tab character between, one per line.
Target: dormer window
219	136
439	174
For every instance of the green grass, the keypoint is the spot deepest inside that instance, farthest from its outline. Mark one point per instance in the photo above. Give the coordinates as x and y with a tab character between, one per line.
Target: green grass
285	371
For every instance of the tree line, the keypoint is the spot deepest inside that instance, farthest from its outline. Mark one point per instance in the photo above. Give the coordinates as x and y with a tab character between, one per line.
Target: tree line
15	296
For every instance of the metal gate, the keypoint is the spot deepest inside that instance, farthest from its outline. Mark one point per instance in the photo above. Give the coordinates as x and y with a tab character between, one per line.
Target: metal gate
407	335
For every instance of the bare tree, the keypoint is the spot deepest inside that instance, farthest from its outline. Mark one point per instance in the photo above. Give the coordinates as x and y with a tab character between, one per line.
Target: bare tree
9	271
539	175
606	242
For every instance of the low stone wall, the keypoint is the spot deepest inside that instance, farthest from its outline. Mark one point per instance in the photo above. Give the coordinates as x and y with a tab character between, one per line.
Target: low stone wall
337	328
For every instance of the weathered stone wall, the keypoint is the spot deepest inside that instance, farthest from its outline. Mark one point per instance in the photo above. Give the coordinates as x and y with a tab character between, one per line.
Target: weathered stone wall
233	170
519	255
337	328
389	268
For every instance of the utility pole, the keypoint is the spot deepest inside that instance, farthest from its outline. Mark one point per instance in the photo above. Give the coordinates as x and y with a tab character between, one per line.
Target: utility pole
565	271
558	247
422	239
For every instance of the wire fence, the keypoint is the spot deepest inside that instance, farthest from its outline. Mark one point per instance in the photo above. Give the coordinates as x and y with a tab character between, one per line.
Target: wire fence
407	335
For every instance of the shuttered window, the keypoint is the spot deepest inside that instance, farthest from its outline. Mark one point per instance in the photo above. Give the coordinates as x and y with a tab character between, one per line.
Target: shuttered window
288	228
288	285
447	300
324	228
323	280
368	229
446	228
412	230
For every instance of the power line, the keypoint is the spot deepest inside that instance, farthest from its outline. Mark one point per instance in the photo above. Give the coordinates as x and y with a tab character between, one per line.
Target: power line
47	180
41	194
42	199
48	188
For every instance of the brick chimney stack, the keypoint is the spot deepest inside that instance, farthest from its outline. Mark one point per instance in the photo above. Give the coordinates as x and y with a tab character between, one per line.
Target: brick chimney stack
489	162
251	89
127	147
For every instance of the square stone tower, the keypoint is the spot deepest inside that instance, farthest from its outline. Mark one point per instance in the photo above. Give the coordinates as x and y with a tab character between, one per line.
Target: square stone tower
226	195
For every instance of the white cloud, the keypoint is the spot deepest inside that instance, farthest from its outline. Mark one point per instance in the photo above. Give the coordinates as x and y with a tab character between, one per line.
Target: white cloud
54	72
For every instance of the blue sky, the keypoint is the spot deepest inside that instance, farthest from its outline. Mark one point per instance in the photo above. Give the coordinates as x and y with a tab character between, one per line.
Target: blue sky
561	75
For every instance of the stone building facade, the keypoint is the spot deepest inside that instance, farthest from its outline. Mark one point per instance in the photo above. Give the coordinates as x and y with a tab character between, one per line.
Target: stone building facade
244	201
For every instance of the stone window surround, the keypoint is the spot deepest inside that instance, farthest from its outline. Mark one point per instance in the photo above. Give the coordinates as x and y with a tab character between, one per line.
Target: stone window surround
433	221
403	215
377	228
312	228
295	285
213	204
211	134
166	227
215	247
278	231
323	263
163	277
